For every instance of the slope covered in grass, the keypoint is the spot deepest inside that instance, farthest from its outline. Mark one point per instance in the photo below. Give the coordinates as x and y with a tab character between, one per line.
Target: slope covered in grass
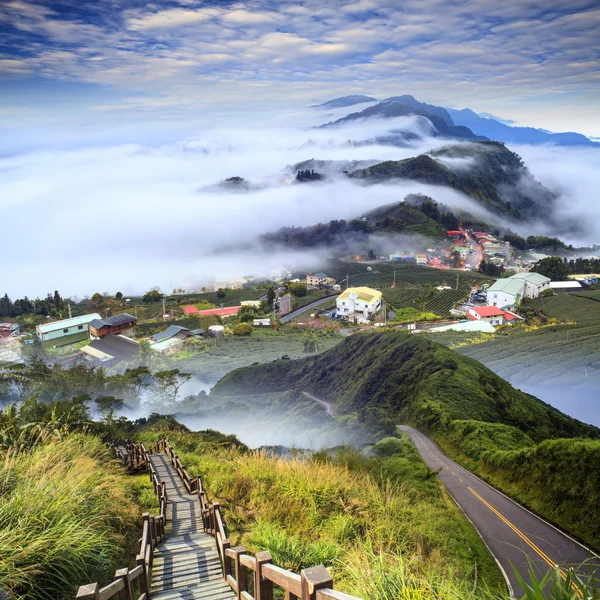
414	379
69	515
371	520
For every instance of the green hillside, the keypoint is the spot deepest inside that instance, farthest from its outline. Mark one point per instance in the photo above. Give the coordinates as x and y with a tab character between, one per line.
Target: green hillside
493	178
414	379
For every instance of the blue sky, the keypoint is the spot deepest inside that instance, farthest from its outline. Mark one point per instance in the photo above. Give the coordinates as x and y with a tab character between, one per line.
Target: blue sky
533	61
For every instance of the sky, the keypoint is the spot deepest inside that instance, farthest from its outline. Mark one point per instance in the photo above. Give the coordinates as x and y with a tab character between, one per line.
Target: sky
66	63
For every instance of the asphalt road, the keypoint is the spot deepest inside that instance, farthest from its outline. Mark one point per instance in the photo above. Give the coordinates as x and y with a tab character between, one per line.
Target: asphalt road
299	311
512	533
476	256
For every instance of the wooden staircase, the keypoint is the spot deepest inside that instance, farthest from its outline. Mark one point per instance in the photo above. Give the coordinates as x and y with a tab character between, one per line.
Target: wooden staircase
186	565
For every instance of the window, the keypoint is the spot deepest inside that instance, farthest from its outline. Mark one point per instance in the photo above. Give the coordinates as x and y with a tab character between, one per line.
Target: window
65	331
80	327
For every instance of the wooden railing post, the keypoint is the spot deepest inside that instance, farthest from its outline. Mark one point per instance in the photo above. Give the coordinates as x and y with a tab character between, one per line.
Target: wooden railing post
241	572
263	588
140	561
91	591
226	560
127	592
313	579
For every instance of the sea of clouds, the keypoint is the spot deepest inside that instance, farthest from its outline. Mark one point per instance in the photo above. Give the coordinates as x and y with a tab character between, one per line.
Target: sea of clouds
117	208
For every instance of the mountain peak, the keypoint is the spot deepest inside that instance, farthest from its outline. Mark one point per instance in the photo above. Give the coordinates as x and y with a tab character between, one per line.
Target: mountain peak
346	101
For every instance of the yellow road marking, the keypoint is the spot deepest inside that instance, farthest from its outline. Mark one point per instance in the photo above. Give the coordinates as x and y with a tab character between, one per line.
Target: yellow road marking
460	480
544	556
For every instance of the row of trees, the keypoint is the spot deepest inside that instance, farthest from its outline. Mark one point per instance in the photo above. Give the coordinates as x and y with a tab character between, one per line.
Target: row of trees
534	242
53	305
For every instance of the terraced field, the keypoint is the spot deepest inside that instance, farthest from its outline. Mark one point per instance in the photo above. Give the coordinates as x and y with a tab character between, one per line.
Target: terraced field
562	354
427	299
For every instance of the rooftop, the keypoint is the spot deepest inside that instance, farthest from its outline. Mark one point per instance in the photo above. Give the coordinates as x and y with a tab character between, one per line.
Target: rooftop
66	323
508	285
168	333
364	294
534	278
320	275
488	311
114	321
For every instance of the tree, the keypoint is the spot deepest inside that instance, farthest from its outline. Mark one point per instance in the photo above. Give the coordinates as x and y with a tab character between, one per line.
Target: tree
221	293
107	406
270	298
372	255
310	339
153	295
243	329
169	382
145	352
119	295
298	289
97	298
553	267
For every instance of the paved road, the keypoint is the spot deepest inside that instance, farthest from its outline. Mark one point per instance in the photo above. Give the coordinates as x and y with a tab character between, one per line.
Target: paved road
476	256
512	533
299	311
327	406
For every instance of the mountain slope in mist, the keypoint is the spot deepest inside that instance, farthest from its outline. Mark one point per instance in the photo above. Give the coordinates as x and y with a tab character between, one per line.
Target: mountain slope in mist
503	132
403	106
488	172
410	378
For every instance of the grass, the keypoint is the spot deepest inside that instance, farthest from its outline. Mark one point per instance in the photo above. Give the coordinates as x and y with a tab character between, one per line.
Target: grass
265	345
361	517
311	296
69	515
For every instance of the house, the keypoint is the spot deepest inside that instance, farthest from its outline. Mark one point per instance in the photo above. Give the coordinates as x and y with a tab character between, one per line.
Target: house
261	322
172	331
316	279
66	331
112	325
492	315
358	302
110	350
252	303
535	283
8	330
506	293
421	259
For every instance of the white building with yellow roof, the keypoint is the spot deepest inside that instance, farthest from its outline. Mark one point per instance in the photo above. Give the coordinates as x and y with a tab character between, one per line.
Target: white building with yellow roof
359	303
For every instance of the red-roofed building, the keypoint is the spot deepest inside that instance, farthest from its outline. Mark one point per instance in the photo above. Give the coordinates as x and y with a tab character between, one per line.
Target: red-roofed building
229	311
493	315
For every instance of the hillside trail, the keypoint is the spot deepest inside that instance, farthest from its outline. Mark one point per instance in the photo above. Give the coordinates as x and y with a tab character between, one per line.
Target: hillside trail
327	406
186	565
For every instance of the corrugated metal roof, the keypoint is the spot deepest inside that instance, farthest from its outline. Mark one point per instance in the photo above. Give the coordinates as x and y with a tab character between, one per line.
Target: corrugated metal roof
114	321
65	323
364	294
534	278
508	285
168	333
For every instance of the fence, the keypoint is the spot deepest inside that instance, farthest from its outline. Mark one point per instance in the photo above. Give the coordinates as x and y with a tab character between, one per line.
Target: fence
132	584
250	577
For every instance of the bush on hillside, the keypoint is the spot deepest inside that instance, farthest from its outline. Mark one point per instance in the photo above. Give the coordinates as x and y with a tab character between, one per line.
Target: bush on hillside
243	329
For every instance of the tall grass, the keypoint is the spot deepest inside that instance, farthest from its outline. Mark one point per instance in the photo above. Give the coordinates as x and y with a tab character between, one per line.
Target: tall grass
344	513
67	517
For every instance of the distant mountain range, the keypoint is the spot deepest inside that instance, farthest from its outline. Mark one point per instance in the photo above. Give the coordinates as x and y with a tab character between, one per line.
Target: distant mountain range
503	132
447	122
404	106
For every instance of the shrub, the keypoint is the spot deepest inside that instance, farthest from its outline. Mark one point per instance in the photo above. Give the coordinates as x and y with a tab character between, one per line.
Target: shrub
243	329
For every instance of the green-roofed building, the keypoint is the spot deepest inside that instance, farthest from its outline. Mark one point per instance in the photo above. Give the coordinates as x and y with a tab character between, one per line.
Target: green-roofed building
535	283
506	293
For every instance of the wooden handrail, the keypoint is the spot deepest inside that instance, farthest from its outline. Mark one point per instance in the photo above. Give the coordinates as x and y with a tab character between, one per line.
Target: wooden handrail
312	584
153	532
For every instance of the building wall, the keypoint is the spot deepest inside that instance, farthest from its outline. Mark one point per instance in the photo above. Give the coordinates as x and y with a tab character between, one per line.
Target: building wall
502	299
347	307
64	332
533	290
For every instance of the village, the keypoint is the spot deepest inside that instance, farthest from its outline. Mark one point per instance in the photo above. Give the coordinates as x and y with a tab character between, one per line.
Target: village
420	292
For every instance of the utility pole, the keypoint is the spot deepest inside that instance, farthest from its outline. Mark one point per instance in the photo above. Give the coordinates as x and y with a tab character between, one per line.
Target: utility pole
69	307
164	311
457	276
346	280
394	285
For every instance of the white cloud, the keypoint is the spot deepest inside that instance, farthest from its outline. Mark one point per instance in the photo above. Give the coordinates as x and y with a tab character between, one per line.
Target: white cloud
172	18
